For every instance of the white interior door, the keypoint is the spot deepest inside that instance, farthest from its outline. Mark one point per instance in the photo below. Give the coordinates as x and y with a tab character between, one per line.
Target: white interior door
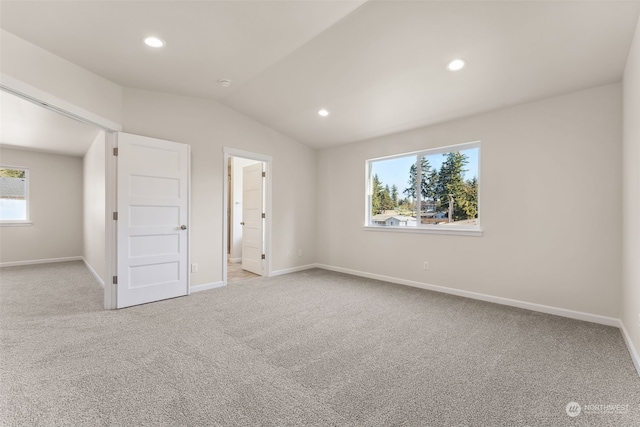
252	210
153	202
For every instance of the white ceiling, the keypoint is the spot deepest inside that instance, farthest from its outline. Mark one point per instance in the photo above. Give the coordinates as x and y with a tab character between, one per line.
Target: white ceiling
377	66
26	125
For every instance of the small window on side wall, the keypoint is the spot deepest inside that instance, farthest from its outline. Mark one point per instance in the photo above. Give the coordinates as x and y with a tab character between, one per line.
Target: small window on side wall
14	195
430	190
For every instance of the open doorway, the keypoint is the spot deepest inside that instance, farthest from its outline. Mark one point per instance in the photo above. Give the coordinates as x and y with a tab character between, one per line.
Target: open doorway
65	150
247	215
246	239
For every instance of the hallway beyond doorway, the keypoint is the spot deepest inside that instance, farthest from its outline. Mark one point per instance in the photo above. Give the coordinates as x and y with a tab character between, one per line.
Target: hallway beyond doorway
235	273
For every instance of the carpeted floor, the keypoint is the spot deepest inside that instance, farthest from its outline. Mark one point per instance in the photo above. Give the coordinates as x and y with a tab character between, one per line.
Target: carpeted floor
309	348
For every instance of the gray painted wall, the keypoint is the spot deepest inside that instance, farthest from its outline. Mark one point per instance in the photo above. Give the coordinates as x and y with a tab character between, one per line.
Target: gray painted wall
55	197
550	206
94	206
631	195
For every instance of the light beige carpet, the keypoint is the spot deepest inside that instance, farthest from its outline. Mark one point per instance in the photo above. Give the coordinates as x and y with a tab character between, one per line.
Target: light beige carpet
309	348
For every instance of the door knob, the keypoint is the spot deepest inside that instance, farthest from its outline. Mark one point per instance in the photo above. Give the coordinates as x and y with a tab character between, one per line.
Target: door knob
183	227
242	223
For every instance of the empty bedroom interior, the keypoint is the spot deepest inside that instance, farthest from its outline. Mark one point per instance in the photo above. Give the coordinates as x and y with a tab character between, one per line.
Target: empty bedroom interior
556	246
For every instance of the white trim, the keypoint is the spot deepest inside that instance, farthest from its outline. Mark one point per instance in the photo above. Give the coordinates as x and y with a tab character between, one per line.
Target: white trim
445	229
40	261
571	314
97	277
462	231
189	220
578	315
293	269
233	152
432	151
51	102
27	198
632	350
234	260
268	161
110	228
206	286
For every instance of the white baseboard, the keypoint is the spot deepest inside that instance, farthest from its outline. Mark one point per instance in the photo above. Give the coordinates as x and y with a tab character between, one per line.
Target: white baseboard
206	287
293	269
630	346
98	278
578	315
40	261
234	260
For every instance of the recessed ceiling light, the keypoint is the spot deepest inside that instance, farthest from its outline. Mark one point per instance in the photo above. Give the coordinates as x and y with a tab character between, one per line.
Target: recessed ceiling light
323	113
456	64
154	42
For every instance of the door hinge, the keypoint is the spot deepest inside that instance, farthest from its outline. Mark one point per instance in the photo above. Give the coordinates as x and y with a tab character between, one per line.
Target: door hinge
264	256
115	280
115	216
264	174
115	151
264	215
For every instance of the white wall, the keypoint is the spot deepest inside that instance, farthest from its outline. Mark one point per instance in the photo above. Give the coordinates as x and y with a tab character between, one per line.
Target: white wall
50	73
631	195
208	127
555	253
550	206
235	199
55	197
94	206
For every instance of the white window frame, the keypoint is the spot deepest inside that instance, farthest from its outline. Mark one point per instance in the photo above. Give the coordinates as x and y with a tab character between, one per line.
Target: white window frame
20	222
473	230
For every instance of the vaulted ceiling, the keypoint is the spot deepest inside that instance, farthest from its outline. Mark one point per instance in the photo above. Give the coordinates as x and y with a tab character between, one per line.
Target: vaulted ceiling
378	67
28	126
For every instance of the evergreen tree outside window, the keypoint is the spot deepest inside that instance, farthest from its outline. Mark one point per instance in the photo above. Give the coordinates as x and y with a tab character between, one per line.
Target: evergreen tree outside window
14	195
430	189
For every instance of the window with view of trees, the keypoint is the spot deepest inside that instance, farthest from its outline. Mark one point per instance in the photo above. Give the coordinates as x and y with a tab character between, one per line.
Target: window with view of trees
432	188
14	194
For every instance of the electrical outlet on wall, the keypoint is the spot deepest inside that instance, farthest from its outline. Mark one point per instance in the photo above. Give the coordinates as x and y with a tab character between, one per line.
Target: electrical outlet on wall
425	265
194	268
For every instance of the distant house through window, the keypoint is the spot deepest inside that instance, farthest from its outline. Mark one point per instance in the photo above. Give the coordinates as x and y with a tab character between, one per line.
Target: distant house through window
431	189
14	194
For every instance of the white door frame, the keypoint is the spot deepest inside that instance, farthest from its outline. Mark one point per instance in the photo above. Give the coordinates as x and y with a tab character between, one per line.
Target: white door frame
110	229
268	160
252	242
52	102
